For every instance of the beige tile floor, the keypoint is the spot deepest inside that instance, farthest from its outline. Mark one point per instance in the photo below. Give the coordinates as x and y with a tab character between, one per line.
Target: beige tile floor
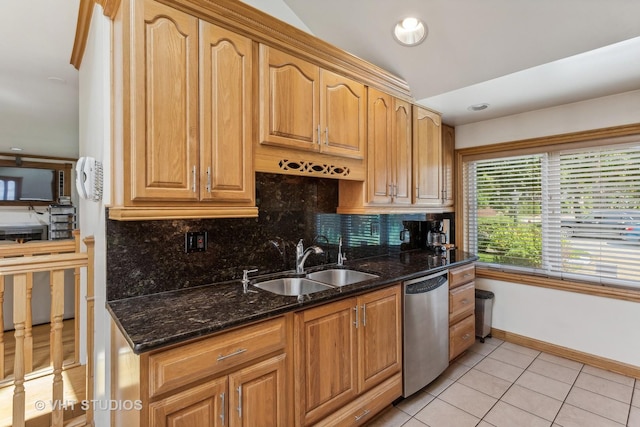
506	385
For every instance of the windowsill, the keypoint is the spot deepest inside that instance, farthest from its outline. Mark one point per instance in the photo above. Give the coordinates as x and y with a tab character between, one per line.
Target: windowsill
559	284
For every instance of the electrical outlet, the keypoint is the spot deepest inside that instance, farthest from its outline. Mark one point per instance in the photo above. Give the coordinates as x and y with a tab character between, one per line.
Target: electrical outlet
195	241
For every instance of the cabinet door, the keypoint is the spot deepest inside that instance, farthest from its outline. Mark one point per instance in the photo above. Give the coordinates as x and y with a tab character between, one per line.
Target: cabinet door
427	157
226	171
201	406
461	336
164	76
379	337
401	152
325	360
448	149
288	100
342	116
257	395
379	170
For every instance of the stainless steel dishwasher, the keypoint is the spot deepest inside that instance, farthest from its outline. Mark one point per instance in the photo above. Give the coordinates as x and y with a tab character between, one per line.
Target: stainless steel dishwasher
426	330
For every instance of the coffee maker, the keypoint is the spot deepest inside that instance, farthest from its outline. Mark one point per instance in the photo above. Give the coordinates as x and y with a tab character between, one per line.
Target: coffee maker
437	235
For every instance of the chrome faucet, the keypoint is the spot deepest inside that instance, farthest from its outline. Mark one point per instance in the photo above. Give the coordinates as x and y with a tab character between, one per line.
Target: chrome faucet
302	254
341	257
245	279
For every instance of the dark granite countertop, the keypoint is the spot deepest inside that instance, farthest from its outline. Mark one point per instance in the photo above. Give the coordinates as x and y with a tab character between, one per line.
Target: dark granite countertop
153	321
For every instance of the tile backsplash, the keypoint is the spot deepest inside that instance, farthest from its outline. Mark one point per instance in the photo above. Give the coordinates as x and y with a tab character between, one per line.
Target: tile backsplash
146	257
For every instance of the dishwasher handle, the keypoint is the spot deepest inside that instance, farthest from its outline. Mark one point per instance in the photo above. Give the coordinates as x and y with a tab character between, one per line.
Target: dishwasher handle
426	284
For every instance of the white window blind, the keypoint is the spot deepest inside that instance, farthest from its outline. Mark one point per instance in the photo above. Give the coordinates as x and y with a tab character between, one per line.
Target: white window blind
568	214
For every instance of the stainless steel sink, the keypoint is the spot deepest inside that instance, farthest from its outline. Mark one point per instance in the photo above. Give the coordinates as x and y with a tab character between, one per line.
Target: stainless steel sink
341	277
292	286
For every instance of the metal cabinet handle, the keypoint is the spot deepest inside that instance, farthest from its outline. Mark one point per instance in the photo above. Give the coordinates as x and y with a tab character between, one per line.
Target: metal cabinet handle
235	353
319	138
465	337
326	136
222	409
356	322
417	191
467	275
364	315
209	179
364	414
240	402
193	179
465	301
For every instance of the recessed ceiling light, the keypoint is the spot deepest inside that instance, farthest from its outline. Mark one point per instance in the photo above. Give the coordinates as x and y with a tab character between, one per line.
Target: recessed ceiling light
478	107
410	31
15	149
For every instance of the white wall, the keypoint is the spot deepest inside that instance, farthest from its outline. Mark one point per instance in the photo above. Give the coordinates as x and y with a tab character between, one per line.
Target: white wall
94	137
603	327
614	110
279	9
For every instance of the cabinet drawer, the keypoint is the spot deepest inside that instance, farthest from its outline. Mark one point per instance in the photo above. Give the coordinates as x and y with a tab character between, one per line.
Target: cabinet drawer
366	406
461	275
461	302
461	336
179	366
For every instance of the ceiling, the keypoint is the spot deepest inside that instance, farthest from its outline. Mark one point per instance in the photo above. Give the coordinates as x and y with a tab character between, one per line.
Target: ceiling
515	55
38	85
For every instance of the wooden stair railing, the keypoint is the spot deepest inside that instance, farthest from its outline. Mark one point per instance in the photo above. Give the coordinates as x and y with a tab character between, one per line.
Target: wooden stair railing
21	261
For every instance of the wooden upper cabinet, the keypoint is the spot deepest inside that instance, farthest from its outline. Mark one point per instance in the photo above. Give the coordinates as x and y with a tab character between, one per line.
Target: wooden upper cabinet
448	149
401	151
427	157
343	112
226	168
183	117
289	93
379	171
389	149
304	107
164	148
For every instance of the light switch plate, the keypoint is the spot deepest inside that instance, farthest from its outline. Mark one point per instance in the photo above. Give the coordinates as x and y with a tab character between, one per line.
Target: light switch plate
195	241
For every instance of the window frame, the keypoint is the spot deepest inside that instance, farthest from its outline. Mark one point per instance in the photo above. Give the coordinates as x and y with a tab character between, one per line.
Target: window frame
568	141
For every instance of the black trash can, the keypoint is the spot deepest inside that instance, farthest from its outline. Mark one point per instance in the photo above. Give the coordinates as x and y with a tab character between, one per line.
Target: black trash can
484	307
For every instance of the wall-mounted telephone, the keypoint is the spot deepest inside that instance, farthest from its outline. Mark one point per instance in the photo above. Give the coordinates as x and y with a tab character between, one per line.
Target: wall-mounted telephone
89	178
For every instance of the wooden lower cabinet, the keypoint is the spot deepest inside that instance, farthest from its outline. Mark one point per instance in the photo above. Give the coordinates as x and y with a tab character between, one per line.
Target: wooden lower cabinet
198	406
365	406
344	350
238	378
346	367
461	336
250	397
461	309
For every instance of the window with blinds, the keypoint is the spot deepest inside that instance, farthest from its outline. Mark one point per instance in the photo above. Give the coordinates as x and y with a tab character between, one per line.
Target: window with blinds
570	214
